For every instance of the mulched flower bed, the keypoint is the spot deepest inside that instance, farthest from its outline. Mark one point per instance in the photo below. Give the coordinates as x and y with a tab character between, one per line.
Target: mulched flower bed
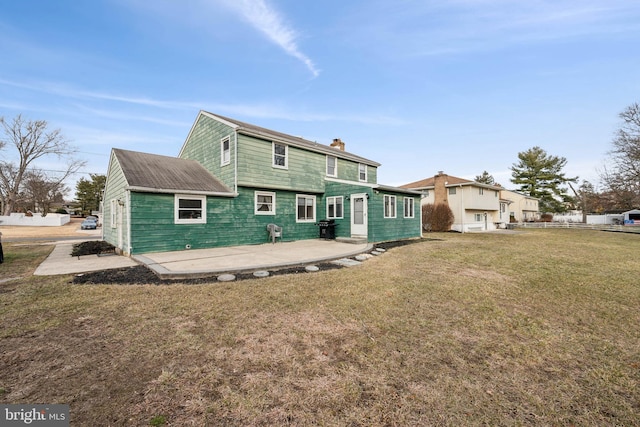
140	274
92	247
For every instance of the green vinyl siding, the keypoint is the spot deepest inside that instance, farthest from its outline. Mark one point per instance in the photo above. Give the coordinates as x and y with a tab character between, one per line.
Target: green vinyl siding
230	222
383	229
305	170
203	145
114	190
349	171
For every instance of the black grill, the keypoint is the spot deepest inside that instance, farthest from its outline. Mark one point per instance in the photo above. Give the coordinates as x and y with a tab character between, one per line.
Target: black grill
327	228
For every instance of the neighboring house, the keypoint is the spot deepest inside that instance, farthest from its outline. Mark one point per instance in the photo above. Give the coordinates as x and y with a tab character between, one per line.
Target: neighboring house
475	206
231	179
523	208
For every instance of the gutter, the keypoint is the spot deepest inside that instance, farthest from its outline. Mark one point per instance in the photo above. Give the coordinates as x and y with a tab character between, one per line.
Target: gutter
179	191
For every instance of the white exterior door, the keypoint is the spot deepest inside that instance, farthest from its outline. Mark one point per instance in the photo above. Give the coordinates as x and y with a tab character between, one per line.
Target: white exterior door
359	215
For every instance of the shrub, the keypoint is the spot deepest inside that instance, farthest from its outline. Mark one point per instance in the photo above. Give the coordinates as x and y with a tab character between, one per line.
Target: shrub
437	217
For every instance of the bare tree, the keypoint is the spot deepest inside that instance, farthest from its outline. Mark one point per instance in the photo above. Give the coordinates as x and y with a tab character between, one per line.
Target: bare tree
622	177
40	191
33	140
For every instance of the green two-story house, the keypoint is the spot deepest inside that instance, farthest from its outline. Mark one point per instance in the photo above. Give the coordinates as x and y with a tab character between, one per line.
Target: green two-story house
231	179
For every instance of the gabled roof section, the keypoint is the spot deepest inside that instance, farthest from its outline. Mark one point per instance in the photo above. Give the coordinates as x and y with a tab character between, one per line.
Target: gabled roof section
430	182
260	132
163	174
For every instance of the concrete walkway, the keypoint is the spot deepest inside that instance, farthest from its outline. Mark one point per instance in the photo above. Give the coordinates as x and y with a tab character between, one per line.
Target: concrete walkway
205	262
60	261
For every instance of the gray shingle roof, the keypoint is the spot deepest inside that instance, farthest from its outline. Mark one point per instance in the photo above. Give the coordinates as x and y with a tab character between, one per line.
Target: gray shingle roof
293	140
167	174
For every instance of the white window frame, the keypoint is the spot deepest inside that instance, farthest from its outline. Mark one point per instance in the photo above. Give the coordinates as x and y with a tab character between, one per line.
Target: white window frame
481	191
389	201
362	168
335	166
273	202
409	205
452	191
273	155
113	215
333	201
225	155
478	217
313	200
177	209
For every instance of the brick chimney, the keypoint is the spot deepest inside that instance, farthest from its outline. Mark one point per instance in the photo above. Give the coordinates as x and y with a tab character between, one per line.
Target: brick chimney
338	144
440	192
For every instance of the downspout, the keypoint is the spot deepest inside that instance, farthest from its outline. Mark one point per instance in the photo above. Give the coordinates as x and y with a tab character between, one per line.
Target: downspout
127	210
462	208
235	163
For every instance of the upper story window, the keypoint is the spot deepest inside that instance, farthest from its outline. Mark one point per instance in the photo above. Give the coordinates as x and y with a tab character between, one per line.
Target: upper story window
225	151
280	156
335	207
452	191
389	206
265	203
481	191
408	207
190	209
362	172
332	166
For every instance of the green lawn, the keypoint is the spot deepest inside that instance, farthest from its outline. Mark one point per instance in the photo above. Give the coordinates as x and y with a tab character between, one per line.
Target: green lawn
540	327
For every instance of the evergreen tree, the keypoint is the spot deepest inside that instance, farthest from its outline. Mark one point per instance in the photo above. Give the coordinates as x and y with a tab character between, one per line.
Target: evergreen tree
540	175
89	193
485	178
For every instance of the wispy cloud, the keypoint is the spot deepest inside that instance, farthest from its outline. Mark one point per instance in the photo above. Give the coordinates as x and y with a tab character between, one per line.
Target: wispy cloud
443	27
266	110
271	23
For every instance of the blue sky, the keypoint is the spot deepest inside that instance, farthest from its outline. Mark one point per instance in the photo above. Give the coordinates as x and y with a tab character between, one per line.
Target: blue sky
460	86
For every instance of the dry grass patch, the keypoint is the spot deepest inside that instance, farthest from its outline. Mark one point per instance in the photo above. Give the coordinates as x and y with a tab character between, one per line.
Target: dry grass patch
538	328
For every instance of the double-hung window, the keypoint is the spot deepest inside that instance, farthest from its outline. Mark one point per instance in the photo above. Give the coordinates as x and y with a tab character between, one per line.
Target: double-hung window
332	166
362	172
190	209
408	207
280	155
225	151
306	208
478	217
335	207
389	206
265	203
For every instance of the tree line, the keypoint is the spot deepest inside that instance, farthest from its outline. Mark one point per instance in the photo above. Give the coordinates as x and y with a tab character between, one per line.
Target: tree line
540	175
536	173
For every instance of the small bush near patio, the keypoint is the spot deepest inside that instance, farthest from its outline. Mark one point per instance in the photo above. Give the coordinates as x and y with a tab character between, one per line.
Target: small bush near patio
538	327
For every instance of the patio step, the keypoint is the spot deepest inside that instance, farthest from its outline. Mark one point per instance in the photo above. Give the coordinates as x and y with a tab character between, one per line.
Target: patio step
354	240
